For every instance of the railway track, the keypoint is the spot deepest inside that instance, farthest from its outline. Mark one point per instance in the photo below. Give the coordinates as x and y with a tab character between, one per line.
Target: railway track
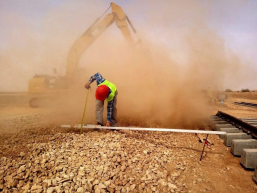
246	104
241	136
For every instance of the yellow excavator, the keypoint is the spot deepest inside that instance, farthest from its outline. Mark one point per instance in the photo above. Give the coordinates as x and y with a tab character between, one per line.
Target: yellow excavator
44	87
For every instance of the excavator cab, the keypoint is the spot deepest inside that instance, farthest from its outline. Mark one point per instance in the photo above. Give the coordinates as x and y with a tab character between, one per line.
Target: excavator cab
43	83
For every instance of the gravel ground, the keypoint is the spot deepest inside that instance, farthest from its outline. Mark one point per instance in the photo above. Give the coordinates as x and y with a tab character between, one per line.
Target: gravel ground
113	161
38	156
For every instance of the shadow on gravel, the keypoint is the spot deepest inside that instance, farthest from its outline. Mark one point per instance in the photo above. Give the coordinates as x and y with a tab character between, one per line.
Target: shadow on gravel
135	136
153	141
12	144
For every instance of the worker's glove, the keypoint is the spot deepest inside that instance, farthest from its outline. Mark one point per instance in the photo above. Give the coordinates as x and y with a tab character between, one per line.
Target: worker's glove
108	124
87	85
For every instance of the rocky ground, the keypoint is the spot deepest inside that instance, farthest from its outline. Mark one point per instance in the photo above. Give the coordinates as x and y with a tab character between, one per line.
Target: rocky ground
42	157
112	161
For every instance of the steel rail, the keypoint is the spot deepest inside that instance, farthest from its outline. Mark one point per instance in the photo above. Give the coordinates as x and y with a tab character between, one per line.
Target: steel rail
246	104
248	128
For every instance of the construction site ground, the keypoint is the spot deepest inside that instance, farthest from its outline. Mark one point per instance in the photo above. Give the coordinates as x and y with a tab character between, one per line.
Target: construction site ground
36	155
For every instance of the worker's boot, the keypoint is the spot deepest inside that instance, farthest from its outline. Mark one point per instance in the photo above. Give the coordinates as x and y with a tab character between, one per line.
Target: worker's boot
100	124
97	129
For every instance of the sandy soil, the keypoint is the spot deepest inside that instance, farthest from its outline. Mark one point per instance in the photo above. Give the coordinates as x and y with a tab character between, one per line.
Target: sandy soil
237	110
22	128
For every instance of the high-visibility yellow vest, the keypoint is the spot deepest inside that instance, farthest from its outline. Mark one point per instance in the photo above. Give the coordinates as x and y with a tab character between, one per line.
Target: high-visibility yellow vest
112	87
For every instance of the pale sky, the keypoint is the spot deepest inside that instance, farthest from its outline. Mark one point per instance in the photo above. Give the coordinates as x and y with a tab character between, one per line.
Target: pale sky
31	22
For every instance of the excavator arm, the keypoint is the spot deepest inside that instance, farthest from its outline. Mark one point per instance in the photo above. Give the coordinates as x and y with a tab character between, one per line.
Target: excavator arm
44	84
93	32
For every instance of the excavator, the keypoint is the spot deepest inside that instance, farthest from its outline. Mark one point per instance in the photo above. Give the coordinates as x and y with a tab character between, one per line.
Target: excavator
44	87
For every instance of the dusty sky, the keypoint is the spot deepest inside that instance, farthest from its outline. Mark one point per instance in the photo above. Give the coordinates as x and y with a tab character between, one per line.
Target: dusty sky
35	36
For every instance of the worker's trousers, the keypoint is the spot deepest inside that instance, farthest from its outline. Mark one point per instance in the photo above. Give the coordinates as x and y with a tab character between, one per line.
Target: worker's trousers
100	108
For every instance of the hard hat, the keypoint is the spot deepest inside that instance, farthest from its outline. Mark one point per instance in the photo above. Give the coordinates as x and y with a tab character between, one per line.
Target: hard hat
101	92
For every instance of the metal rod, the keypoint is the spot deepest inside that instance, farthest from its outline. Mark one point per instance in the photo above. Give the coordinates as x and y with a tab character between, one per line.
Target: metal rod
82	123
204	146
105	11
131	25
143	129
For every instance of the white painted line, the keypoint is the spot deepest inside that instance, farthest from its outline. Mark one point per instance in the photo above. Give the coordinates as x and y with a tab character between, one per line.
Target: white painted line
143	129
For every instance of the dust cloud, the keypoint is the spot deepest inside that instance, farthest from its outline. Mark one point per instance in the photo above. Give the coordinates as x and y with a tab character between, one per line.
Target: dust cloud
160	81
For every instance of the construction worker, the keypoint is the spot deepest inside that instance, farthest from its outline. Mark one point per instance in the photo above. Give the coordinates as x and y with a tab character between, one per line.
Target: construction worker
105	90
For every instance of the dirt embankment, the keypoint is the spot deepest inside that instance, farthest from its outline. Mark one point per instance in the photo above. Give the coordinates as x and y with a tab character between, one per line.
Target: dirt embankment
243	95
237	110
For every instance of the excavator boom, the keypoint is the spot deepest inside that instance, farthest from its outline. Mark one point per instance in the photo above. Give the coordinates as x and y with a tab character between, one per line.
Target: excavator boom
93	32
